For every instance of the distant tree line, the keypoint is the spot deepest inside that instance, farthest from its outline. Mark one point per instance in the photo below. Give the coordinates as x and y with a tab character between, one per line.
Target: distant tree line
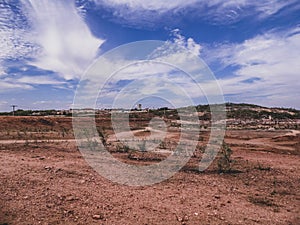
233	110
21	112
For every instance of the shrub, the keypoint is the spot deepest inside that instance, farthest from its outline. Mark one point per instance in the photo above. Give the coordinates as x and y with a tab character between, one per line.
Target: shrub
224	159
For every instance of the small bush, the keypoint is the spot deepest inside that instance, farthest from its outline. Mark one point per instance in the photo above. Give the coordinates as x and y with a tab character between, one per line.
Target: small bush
122	148
224	159
143	146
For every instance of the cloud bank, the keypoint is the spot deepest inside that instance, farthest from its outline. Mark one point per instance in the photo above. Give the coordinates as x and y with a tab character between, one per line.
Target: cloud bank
136	12
266	68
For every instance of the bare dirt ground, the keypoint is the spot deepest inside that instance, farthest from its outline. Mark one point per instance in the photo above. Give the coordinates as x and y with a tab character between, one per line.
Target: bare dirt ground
49	182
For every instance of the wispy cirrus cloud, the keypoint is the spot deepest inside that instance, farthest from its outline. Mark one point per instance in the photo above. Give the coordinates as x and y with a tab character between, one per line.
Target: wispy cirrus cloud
23	82
137	12
50	35
67	46
266	68
43	42
3	103
9	86
39	80
14	39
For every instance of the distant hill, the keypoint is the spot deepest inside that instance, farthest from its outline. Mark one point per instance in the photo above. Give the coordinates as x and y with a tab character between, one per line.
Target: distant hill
233	111
258	112
250	111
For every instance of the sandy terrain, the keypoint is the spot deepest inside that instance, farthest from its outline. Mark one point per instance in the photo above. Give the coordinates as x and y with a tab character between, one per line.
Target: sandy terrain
49	182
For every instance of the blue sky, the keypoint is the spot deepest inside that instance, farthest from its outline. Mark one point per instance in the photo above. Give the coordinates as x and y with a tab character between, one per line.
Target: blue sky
252	47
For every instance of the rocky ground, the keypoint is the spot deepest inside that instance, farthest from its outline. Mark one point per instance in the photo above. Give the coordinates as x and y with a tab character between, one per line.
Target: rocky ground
49	182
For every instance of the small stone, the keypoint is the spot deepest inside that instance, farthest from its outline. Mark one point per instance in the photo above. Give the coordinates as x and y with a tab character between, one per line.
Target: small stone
60	196
98	217
57	170
47	168
70	198
179	219
217	196
186	218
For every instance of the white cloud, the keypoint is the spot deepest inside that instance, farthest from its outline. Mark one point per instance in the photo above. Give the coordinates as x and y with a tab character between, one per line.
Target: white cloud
26	82
3	103
170	68
2	70
149	5
50	35
8	86
136	12
66	43
268	68
173	50
61	104
233	10
188	44
38	80
14	42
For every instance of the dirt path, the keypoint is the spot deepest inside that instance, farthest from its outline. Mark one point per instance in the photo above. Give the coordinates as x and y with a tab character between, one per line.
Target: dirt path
155	134
35	141
292	133
259	142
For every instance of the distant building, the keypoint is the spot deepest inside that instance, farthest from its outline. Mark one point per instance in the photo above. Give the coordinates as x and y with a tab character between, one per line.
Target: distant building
36	114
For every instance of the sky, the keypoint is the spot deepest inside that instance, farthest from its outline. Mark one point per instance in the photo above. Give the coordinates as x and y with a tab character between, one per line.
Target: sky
251	46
